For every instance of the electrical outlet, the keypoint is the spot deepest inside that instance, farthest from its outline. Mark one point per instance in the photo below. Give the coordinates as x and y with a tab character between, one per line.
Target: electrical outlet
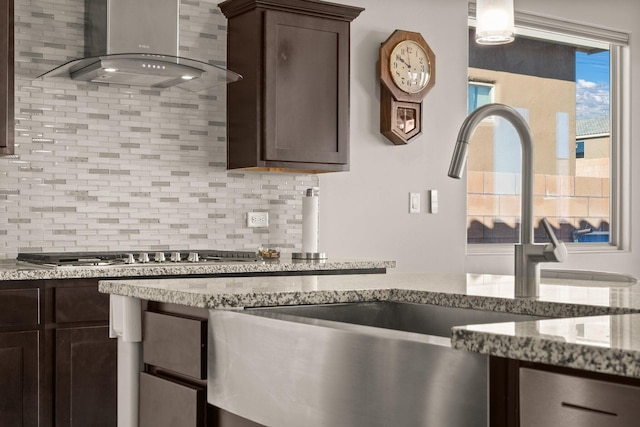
257	219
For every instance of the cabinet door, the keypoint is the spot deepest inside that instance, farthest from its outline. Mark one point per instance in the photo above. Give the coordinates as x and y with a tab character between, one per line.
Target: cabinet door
85	379
552	399
7	127
19	379
307	89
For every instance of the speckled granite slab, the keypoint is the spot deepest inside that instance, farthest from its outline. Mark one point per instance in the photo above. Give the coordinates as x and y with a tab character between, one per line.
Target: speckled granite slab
11	270
548	341
605	344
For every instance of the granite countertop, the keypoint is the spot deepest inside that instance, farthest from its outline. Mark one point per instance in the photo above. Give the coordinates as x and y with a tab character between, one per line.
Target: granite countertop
15	270
605	344
608	342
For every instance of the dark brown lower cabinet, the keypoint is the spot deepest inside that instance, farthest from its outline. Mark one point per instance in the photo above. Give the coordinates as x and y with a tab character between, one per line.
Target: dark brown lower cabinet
79	387
19	379
85	380
57	362
524	394
173	388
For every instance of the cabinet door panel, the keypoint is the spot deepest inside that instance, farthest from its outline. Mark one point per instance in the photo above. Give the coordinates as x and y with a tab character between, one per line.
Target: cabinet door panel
85	384
19	379
307	90
81	304
19	307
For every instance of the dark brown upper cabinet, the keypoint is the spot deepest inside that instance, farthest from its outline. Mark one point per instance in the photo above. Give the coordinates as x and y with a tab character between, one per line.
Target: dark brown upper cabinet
6	78
290	112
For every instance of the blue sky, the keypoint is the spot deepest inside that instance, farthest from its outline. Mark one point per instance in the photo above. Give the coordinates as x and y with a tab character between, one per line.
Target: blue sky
592	85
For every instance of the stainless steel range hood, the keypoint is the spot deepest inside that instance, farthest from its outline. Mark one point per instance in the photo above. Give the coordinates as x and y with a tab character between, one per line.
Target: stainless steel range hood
136	43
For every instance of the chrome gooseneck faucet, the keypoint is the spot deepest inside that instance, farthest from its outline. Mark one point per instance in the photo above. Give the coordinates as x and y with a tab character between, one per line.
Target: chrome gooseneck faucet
528	255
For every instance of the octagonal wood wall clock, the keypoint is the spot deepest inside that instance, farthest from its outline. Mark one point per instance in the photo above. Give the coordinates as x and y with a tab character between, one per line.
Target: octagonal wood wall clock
407	73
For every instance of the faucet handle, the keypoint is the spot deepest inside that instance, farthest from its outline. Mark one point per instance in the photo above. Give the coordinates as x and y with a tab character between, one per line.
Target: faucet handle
555	251
549	230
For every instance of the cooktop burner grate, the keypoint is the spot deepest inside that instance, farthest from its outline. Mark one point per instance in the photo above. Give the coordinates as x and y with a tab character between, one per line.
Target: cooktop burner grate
138	257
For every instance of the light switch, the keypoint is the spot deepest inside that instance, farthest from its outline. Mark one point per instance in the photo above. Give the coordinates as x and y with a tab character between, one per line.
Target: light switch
414	202
433	201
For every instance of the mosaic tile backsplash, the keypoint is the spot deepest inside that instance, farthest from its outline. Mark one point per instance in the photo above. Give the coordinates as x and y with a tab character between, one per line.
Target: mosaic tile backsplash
114	168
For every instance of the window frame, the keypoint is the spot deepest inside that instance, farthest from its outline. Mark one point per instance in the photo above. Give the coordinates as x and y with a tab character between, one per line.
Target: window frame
620	112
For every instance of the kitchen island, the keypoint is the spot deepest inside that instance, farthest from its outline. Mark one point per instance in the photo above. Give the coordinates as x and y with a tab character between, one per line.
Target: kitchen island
59	364
598	339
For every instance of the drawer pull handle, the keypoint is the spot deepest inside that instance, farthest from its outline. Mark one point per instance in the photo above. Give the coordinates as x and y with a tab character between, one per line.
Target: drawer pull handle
584	408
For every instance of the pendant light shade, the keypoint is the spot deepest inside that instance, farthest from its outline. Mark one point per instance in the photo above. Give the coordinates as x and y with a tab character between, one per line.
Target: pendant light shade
494	21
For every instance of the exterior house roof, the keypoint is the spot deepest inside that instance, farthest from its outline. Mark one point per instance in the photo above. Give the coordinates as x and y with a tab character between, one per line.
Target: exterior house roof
590	128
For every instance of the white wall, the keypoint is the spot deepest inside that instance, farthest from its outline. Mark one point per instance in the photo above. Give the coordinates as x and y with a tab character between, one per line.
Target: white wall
364	212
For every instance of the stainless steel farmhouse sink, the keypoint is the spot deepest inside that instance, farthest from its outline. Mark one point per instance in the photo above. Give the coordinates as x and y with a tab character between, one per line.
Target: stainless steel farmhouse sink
358	364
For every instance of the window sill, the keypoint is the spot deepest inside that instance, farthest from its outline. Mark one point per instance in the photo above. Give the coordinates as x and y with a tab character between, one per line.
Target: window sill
572	248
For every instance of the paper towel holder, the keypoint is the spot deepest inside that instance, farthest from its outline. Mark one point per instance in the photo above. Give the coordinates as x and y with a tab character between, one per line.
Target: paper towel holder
310	213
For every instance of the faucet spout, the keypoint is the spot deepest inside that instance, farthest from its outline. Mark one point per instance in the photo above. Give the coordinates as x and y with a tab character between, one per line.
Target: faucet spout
527	256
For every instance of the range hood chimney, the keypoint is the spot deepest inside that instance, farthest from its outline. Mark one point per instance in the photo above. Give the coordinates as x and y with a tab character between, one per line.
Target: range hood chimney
135	43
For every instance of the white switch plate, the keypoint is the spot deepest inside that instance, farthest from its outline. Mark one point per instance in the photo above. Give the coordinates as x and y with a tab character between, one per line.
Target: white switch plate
414	202
257	219
433	201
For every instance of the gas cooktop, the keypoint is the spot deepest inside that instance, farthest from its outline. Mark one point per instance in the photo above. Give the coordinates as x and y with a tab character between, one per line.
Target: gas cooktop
60	259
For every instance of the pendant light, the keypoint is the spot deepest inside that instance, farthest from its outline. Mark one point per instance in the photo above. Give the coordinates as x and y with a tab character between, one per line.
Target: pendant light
494	22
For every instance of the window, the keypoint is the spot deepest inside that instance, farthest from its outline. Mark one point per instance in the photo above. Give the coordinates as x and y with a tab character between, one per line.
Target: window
560	83
479	94
580	150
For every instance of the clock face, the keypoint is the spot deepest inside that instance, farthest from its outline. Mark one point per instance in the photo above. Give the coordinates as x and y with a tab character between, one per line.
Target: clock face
409	66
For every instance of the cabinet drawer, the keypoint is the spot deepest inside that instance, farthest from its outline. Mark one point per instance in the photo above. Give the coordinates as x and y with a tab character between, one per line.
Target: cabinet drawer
551	399
175	343
19	307
167	403
81	304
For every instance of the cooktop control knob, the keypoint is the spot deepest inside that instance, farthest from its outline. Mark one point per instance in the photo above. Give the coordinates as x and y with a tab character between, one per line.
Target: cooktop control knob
143	257
129	259
193	257
159	257
175	256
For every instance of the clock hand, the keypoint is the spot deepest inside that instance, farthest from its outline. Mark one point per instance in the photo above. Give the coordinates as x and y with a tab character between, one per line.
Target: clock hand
399	58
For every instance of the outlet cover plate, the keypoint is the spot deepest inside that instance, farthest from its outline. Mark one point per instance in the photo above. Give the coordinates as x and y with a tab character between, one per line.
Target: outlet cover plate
257	219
